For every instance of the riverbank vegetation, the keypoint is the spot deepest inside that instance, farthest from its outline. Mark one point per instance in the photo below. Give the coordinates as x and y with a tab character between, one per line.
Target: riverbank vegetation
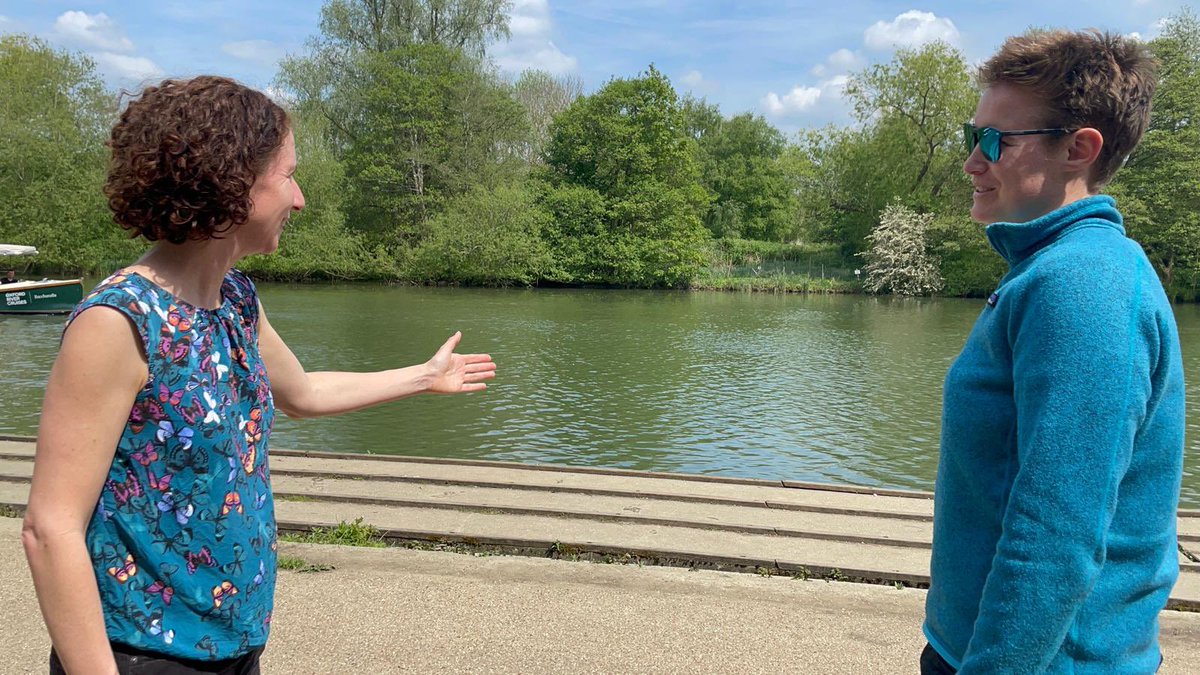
421	163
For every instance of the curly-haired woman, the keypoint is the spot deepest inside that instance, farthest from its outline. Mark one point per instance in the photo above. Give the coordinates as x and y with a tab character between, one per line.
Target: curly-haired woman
150	529
1054	544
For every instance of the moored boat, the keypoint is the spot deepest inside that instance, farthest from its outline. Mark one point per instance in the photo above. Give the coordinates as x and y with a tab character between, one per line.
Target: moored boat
45	296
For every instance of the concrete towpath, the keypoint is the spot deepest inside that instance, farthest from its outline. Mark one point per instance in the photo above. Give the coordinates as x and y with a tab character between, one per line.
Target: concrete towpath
392	610
396	610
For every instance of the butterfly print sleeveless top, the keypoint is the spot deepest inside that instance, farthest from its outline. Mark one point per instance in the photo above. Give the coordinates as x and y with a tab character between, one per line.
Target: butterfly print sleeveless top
183	536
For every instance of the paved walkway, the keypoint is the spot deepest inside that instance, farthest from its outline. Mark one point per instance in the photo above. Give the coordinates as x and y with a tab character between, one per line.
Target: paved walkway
396	610
393	609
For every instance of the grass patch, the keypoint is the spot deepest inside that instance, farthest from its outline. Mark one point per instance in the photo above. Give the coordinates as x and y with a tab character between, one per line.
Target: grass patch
293	563
774	283
7	511
293	498
754	252
357	533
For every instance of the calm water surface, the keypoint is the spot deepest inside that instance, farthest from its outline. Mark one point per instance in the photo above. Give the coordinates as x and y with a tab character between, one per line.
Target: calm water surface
822	388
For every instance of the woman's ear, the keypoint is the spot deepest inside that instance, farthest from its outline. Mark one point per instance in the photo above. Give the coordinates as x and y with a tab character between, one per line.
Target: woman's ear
1084	148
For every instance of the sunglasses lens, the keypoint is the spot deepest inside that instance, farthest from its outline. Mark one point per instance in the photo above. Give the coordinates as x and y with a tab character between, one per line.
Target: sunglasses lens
987	138
989	144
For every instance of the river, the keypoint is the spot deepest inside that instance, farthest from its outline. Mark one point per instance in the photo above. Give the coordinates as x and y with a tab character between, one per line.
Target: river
835	389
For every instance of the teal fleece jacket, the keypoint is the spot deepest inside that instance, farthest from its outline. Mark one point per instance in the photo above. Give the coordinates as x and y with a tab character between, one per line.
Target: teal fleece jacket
1054	544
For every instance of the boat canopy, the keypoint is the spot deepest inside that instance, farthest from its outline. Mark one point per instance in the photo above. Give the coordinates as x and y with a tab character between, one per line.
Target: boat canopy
14	249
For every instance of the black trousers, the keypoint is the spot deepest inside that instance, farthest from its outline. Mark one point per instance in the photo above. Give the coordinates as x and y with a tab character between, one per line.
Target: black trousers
131	661
932	662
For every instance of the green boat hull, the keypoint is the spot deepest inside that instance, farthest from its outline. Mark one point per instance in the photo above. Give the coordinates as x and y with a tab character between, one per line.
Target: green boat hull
48	297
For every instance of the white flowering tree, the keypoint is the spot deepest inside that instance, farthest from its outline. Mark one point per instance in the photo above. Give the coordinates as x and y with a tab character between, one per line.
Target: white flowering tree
898	258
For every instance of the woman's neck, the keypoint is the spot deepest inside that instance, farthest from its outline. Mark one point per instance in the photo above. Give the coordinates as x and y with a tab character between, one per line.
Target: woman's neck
192	271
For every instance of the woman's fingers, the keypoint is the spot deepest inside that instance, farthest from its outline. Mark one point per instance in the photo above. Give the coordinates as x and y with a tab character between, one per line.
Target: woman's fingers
449	345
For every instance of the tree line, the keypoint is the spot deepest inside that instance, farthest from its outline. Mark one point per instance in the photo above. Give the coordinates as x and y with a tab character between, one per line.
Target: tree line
421	162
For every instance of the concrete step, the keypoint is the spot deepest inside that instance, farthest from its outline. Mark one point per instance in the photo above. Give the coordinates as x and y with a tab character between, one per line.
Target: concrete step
656	543
586	480
682	520
752	519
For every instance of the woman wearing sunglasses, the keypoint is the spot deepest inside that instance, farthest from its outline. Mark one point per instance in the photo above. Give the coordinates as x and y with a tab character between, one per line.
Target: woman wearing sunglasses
1054	542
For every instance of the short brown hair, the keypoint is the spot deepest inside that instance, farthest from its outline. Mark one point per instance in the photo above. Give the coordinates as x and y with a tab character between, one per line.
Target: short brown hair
1087	79
185	154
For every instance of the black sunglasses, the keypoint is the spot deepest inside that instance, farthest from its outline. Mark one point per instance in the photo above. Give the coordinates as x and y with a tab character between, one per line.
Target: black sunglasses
988	138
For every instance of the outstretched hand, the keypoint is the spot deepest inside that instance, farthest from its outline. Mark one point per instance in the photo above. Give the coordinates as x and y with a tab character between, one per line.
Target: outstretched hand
457	373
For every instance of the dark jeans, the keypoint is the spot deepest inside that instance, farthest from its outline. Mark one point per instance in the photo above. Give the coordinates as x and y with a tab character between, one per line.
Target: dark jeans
932	662
131	661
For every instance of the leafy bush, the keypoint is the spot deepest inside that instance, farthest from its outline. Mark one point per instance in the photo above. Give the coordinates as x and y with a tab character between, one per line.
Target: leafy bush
486	237
898	259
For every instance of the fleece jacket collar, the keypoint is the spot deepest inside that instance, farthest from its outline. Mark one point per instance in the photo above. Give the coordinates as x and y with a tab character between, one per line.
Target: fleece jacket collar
1017	241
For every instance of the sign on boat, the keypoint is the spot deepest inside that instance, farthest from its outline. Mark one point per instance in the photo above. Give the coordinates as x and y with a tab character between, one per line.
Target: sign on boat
45	296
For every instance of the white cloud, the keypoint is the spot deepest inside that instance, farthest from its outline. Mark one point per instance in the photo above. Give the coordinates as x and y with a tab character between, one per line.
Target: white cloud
535	22
693	80
122	66
547	57
1135	36
838	62
97	31
910	29
835	86
844	59
530	45
260	51
795	101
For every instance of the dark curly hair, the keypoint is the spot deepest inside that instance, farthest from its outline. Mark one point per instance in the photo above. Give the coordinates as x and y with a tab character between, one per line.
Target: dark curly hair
1087	79
185	154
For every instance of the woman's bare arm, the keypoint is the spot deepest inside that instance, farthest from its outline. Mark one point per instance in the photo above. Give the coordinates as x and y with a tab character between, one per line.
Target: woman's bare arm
302	394
95	379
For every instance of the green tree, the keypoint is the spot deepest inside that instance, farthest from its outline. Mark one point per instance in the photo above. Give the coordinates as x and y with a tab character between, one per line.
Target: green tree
487	237
742	168
701	119
543	96
326	77
832	169
431	126
909	146
54	117
383	25
967	263
623	187
1158	188
414	114
919	101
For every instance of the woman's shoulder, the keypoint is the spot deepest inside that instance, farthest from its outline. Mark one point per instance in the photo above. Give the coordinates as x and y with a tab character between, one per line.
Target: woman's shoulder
1092	270
127	294
122	290
1090	255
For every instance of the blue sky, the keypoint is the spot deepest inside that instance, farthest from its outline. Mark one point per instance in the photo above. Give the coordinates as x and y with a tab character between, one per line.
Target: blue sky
782	59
